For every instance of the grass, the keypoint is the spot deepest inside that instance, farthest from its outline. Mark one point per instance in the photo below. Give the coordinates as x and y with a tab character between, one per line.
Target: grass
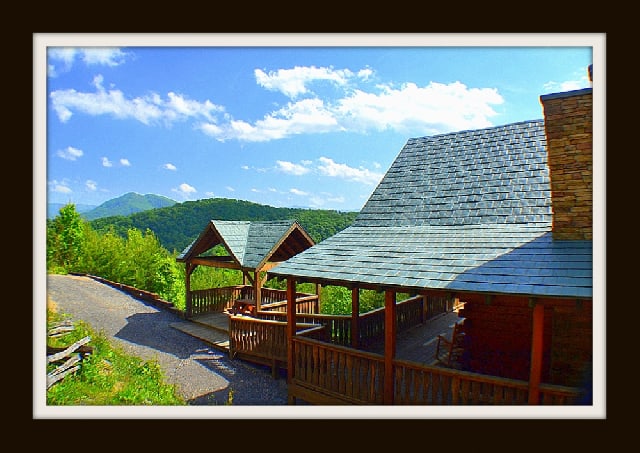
108	376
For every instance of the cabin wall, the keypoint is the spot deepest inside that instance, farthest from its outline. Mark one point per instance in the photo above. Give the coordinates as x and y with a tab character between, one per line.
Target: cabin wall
499	334
572	342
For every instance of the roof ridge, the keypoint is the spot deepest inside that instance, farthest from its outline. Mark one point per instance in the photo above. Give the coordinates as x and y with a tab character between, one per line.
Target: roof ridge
479	131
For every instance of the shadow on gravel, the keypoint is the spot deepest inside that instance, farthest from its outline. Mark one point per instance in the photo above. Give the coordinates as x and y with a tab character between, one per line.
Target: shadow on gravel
250	384
153	330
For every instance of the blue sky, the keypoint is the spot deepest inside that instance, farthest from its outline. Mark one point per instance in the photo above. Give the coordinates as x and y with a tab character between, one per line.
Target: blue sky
293	123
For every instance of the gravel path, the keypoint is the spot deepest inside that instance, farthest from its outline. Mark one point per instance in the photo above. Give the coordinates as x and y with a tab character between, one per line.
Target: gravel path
203	375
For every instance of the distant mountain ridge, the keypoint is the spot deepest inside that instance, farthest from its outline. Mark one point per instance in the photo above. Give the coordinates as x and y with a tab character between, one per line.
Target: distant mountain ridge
53	209
177	225
127	204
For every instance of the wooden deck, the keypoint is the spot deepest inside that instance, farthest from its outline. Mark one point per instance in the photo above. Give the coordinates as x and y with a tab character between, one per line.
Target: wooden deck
417	344
212	328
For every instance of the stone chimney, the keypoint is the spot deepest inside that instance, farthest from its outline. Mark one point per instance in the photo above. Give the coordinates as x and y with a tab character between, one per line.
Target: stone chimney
568	120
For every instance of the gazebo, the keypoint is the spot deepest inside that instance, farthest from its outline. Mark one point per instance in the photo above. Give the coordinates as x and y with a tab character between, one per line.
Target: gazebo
253	248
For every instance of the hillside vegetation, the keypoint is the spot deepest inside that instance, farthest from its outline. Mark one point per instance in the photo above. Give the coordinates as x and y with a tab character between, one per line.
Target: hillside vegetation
138	259
108	376
178	225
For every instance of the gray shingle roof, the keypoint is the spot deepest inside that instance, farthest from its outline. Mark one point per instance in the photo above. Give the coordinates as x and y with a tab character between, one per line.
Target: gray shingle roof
249	243
493	175
466	211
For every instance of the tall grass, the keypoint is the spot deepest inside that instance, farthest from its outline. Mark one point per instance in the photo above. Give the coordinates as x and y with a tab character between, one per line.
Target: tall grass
108	377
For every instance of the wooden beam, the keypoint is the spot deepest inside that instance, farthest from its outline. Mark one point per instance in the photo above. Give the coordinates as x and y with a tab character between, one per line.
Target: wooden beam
211	262
389	344
291	325
536	353
355	317
268	266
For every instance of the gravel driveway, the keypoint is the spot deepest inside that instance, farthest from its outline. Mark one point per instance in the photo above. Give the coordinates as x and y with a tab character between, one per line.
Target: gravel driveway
203	375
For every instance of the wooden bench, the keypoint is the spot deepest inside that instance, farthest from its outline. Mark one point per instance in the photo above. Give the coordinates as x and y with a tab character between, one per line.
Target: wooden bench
449	351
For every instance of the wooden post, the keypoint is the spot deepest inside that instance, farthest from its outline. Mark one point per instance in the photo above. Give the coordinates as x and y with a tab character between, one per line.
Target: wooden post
318	291
257	289
536	354
355	317
291	324
389	344
188	302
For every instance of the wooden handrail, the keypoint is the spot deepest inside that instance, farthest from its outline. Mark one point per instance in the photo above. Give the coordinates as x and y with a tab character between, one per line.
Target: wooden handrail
414	383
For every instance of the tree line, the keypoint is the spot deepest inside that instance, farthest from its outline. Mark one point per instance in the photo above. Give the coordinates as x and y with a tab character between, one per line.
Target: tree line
137	258
176	226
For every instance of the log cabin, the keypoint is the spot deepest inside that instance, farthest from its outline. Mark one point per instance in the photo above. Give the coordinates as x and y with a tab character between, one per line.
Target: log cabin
499	219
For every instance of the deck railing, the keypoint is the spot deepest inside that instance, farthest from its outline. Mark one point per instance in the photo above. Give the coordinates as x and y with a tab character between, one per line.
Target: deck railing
214	300
329	374
409	313
264	341
305	303
217	300
324	373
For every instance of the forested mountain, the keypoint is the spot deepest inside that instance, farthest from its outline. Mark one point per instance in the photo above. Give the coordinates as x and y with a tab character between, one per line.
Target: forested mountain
127	204
178	225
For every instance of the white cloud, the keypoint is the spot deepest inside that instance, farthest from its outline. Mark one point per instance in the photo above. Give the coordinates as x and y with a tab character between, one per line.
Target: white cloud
291	168
293	82
303	117
298	192
567	85
184	190
169	166
230	189
106	162
149	109
125	162
61	59
435	108
409	109
365	74
60	186
324	198
103	56
210	194
91	185
70	153
328	167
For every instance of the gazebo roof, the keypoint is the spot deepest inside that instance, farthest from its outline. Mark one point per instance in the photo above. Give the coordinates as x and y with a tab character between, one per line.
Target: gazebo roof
463	211
250	244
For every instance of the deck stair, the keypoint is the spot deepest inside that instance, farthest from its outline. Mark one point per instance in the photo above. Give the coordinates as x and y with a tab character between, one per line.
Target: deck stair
212	328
